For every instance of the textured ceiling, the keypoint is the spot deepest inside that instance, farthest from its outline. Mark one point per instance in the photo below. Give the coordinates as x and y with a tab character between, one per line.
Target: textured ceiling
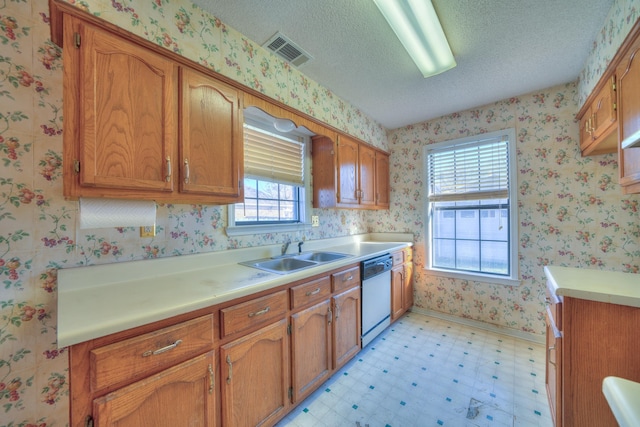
503	48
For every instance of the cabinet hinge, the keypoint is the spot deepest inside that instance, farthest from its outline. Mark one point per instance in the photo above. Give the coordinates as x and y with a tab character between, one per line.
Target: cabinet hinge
76	40
76	166
615	106
290	392
289	329
88	422
613	83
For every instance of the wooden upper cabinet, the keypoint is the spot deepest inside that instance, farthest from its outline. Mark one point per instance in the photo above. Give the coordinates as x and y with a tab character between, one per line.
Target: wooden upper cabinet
349	174
598	120
628	72
141	125
126	109
383	188
367	178
210	136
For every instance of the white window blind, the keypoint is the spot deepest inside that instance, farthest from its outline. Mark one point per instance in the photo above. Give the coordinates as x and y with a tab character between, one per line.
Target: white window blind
476	170
273	157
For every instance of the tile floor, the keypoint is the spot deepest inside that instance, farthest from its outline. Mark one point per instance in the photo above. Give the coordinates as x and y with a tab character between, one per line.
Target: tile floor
424	371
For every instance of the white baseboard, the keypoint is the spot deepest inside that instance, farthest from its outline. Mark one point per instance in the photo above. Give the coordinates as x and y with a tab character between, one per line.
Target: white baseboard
539	339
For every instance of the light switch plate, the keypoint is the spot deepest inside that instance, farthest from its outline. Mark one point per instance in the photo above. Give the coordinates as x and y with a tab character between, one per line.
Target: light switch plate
148	231
315	221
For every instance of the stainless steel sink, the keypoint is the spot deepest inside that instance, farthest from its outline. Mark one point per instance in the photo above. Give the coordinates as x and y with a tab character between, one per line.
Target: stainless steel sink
292	263
321	256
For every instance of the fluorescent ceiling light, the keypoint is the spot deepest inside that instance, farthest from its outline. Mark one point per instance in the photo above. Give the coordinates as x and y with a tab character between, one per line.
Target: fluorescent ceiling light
417	26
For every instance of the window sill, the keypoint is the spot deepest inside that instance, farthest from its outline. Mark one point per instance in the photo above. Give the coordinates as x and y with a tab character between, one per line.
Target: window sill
484	278
244	230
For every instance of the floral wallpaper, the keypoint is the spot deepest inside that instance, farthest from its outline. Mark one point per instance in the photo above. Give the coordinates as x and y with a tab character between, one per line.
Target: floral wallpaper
571	211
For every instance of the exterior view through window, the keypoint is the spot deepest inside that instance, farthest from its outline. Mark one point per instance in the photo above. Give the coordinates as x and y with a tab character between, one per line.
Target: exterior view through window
274	179
471	205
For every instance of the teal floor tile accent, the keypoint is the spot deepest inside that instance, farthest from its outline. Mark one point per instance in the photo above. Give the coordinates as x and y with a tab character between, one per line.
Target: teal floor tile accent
431	372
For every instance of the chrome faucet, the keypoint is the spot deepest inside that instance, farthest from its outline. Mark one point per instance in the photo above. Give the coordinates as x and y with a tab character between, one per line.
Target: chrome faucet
300	247
285	246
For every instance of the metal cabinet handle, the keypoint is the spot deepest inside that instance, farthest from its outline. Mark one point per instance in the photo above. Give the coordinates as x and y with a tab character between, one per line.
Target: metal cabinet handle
211	379
329	316
230	374
337	310
161	350
259	312
347	279
309	293
167	178
186	171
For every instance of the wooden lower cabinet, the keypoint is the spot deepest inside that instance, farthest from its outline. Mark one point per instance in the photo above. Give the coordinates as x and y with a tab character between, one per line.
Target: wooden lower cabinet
255	377
181	395
310	348
346	326
553	378
401	283
241	363
397	284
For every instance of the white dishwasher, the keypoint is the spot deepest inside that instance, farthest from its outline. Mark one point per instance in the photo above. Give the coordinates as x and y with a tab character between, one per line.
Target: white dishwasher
376	296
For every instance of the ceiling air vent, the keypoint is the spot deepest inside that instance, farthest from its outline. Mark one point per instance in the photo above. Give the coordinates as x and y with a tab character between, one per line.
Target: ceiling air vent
287	50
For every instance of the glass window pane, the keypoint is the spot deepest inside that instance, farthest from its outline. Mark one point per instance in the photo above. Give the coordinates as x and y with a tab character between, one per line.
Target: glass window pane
493	225
467	224
267	190
444	253
247	211
444	224
250	187
468	255
287	192
287	211
495	257
268	210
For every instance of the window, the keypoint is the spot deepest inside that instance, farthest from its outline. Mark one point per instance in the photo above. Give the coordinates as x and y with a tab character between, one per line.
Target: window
275	194
471	206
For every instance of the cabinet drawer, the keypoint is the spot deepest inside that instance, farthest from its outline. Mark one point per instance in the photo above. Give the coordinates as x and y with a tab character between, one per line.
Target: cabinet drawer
554	307
346	279
135	357
313	291
398	258
243	316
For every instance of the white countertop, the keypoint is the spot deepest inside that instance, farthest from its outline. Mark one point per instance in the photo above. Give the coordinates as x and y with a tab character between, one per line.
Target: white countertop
99	300
623	397
596	285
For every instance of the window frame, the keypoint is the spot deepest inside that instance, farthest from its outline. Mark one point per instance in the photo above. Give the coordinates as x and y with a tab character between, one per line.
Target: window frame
513	279
305	195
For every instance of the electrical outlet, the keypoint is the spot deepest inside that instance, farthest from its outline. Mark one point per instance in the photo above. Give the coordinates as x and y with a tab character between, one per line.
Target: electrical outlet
148	231
315	221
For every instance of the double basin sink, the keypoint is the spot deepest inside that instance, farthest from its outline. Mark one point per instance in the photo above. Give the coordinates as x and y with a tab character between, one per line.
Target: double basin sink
291	263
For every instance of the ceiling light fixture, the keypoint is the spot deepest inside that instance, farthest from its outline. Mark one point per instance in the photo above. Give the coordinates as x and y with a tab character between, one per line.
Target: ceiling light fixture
417	26
284	125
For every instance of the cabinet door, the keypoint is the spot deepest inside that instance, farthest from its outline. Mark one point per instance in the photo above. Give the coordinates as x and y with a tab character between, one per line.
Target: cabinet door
255	377
367	175
553	378
603	110
211	145
628	73
382	180
179	396
126	98
397	284
346	326
310	348
347	168
407	287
